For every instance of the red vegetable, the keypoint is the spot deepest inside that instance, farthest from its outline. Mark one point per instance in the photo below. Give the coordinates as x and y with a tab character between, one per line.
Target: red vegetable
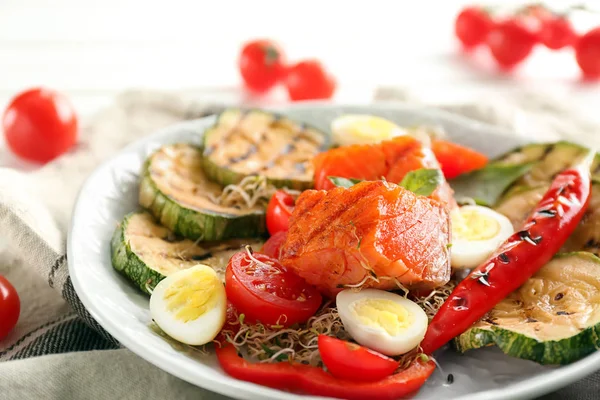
456	159
557	33
268	292
10	307
279	211
520	256
472	26
39	125
510	42
261	65
272	246
587	52
315	381
309	80
346	360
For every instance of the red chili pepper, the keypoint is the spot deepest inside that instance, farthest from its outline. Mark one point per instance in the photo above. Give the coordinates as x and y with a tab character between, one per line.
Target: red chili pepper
315	381
545	231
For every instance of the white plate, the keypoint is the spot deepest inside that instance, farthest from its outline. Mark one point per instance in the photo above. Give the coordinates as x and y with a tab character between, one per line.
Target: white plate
111	192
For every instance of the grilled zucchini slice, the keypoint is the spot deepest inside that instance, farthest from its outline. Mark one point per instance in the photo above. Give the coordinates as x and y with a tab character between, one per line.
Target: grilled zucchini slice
176	191
554	318
550	159
146	252
255	142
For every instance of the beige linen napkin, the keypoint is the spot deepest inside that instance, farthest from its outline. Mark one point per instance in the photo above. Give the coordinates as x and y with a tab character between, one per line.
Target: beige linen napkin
35	211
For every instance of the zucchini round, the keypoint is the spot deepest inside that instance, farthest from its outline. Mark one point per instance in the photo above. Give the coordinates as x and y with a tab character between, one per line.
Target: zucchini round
554	318
549	159
518	205
146	252
176	191
244	143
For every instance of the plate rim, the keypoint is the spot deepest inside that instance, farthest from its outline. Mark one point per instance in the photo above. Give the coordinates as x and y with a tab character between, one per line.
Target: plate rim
533	387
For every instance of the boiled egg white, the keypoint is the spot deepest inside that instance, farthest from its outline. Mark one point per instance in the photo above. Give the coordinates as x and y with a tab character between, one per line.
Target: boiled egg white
190	305
363	129
382	321
477	232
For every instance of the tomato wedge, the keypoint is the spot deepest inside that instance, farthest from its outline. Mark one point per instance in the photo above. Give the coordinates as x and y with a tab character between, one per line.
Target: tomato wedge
350	361
266	291
273	244
279	211
315	381
456	159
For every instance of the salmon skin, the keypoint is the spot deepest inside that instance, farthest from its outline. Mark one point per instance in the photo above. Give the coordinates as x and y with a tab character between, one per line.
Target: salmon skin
390	160
368	234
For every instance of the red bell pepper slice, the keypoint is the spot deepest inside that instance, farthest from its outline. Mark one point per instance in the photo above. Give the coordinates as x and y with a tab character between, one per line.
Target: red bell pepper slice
550	224
315	381
455	159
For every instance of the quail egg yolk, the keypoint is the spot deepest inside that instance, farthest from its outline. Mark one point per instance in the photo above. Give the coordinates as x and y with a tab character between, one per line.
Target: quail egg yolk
192	295
473	225
384	314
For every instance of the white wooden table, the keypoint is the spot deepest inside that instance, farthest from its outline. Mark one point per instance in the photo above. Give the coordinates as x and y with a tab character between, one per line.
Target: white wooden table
91	50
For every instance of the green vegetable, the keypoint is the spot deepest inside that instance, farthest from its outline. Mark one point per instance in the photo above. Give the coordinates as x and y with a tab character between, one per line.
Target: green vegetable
175	190
487	185
255	142
552	319
422	181
145	252
343	182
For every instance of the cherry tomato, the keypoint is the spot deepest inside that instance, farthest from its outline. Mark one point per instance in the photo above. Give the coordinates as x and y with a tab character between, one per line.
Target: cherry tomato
279	211
456	159
308	80
273	245
510	42
266	291
587	52
472	26
10	307
39	125
346	360
557	33
261	65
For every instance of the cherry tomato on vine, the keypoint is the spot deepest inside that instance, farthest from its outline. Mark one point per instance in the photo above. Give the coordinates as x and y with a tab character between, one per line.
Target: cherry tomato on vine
472	26
557	33
263	290
39	125
346	360
261	65
279	211
510	42
308	80
587	53
10	307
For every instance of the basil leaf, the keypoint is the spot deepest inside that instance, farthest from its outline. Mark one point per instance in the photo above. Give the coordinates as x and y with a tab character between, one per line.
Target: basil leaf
422	181
343	182
487	185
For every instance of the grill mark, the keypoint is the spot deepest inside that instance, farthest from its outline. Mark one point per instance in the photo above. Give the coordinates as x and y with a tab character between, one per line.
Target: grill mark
251	151
324	204
548	150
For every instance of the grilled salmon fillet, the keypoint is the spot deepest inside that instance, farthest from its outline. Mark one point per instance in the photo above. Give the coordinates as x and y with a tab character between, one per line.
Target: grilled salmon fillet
369	234
390	160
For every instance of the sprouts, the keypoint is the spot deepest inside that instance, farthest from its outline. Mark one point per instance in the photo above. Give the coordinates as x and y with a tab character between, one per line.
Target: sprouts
252	191
297	343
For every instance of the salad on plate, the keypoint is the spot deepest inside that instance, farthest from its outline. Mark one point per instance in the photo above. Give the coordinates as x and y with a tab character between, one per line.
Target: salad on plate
337	263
